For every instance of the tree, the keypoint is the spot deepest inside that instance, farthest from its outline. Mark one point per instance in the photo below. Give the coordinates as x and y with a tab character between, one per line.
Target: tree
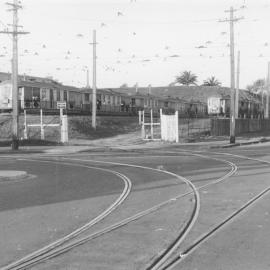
186	78
211	81
256	86
124	85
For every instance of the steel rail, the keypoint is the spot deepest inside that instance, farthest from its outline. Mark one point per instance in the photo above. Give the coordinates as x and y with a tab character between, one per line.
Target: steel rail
189	250
117	225
161	259
78	231
67	246
210	233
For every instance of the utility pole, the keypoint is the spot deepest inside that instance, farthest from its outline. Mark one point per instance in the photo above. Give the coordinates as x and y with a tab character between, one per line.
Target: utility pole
136	87
94	97
149	89
232	111
87	79
267	92
237	86
15	110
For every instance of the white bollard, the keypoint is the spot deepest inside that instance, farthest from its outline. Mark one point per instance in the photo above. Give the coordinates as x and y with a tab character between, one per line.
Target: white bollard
64	129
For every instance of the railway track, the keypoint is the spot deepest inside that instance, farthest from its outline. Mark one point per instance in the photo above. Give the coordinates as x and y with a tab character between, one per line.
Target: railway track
175	260
71	241
36	255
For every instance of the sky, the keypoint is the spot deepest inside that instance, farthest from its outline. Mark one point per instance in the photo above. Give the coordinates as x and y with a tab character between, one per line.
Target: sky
148	42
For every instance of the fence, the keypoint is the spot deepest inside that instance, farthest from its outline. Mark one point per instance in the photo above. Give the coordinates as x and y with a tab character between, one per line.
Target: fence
193	127
63	124
188	128
221	127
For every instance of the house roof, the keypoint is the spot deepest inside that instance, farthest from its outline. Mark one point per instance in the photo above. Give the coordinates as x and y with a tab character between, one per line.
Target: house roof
50	85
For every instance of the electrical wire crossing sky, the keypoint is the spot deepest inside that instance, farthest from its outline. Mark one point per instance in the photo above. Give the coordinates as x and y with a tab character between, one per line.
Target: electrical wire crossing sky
138	41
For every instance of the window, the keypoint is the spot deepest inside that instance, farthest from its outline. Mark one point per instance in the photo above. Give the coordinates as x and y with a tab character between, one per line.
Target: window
58	95
65	95
86	97
36	93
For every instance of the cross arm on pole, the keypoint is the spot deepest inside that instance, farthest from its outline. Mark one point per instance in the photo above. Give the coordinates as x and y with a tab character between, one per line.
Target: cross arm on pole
14	32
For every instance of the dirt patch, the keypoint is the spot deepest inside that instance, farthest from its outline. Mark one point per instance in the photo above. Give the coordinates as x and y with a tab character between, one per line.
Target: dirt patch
79	127
107	126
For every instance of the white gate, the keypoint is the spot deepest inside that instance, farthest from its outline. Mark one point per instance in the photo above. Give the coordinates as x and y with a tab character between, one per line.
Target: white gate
63	126
169	127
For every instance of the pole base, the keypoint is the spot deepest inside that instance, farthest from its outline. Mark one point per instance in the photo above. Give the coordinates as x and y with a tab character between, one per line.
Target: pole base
232	139
15	144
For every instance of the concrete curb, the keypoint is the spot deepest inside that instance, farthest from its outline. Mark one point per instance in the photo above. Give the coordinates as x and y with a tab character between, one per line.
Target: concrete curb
241	143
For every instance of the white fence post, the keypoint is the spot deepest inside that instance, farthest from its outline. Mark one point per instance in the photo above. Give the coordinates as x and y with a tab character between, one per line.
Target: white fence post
152	130
25	126
143	130
64	129
140	117
42	134
176	127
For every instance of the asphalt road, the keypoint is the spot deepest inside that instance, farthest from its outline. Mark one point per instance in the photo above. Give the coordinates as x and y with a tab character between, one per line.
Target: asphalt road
59	197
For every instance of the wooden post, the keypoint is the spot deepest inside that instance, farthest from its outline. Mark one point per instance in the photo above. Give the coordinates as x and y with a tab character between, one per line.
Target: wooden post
143	130
25	126
94	97
42	135
237	86
232	112
176	127
152	130
267	92
140	117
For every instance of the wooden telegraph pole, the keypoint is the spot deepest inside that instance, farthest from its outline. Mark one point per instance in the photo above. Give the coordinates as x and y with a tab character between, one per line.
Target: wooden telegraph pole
237	86
15	110
232	111
267	92
94	97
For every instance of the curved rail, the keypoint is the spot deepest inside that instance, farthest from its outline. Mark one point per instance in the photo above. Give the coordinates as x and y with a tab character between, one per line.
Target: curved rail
160	260
22	263
184	254
210	233
67	245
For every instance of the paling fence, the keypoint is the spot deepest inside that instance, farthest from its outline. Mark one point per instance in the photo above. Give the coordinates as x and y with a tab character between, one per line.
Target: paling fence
221	127
191	128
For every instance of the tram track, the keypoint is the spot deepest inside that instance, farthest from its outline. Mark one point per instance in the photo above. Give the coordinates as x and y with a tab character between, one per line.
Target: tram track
63	246
173	261
161	259
23	262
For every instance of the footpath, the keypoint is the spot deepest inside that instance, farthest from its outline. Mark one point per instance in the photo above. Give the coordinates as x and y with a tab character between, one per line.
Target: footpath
133	141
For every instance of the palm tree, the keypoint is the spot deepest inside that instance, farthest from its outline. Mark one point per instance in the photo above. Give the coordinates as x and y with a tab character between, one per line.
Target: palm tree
186	78
211	81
